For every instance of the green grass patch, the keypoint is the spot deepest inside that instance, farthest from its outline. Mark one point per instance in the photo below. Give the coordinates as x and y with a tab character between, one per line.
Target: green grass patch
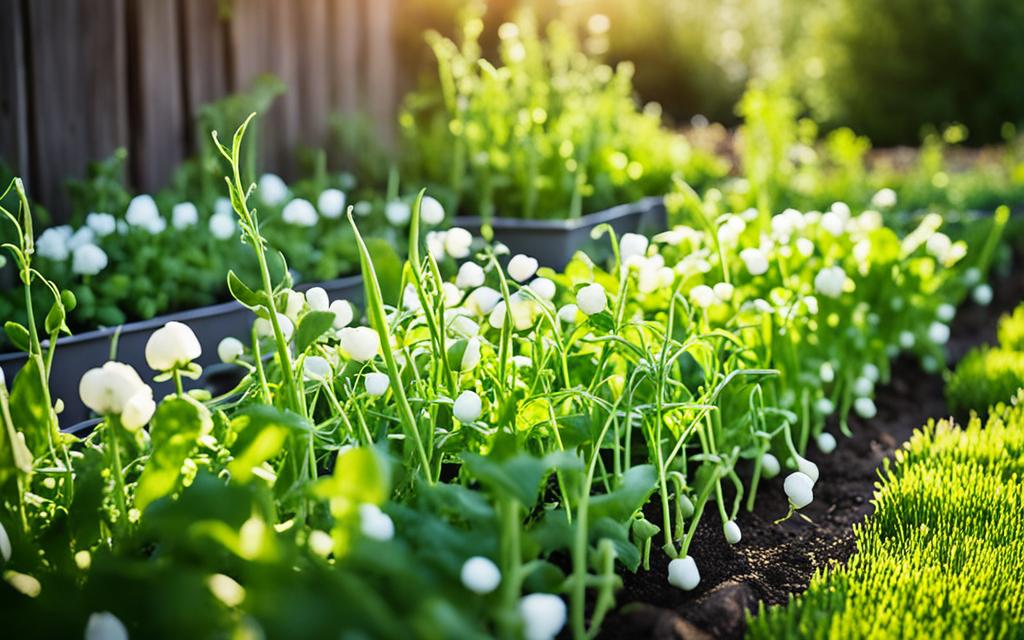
1011	329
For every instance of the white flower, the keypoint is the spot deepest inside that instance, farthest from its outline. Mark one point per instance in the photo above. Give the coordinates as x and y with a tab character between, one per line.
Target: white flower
52	244
230	349
294	303
633	244
376	383
343	313
833	223
223	205
468	406
939	245
799	488
320	543
483	300
105	626
592	299
171	346
862	386
222	225
787	223
770	466
755	260
938	333
826	442
300	212
946	312
865	408
143	213
907	339
431	211
272	190
410	298
316	368
825	406
102	224
522	267
331	203
703	296
363	208
543	616
522	362
522	313
5	544
567	313
972	276
265	329
732	532
470	275
435	244
471	356
982	295
88	260
807	468
138	410
480	575
397	212
805	247
884	199
683	573
374	523
80	238
457	242
360	343
723	291
317	299
729	232
871	372
107	390
184	215
830	281
544	288
464	326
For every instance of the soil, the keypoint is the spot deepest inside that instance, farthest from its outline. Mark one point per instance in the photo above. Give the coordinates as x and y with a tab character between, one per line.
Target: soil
772	562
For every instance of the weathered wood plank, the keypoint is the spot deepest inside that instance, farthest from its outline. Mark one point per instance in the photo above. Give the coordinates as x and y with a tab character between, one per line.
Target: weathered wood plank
314	72
158	133
345	37
78	83
14	109
204	29
381	87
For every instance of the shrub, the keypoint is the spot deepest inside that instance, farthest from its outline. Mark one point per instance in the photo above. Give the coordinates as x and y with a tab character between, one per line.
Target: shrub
983	378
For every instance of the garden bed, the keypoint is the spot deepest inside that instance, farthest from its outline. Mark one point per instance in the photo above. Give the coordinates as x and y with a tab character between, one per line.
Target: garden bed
775	561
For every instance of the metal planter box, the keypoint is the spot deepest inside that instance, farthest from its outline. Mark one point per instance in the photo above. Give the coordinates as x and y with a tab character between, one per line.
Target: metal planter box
78	353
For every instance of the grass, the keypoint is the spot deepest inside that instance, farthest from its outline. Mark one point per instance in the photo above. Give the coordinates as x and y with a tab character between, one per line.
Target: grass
943	554
989	375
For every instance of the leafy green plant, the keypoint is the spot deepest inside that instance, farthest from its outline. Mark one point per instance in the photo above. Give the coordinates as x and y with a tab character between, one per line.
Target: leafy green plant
1011	330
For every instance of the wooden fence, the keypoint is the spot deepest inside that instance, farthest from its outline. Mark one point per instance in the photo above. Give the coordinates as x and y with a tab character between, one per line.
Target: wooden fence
81	78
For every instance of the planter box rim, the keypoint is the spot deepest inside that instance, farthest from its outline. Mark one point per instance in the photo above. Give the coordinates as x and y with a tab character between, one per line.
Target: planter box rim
565	224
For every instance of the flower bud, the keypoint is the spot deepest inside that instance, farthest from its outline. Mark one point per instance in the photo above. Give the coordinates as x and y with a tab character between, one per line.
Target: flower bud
105	626
732	532
592	299
468	407
480	575
360	343
172	346
799	489
230	349
374	523
317	299
683	573
543	616
521	267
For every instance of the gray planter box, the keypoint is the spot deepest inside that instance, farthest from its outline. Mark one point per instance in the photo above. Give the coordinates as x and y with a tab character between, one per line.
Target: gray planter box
78	353
554	242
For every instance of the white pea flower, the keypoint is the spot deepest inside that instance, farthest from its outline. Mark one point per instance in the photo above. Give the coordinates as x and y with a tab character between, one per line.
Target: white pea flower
871	372
230	350
770	466
363	208
703	296
865	408
633	244
172	346
137	411
592	299
107	390
825	406
80	238
568	313
143	213
272	190
471	356
799	488
755	260
470	275
343	313
863	387
522	362
374	523
522	267
223	205
483	300
807	468
522	313
907	339
320	543
683	573
397	212
431	211
317	299
884	199
300	212
730	231
723	291
105	626
830	281
972	276
102	224
464	326
316	368
5	544
184	215
938	333
480	575
982	295
294	303
946	312
543	616
222	225
939	246
360	343
805	247
468	406
265	329
544	288
457	242
833	223
411	298
377	383
435	244
732	532
88	260
826	442
787	223
331	203
52	243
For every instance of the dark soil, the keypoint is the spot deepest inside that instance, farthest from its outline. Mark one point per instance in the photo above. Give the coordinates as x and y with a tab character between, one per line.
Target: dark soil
775	561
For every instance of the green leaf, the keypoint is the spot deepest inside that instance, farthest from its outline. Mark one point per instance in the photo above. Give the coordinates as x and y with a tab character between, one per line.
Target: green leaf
261	432
637	485
388	266
625	551
176	425
603	321
312	325
519	477
29	411
14	454
241	292
17	334
55	318
360	477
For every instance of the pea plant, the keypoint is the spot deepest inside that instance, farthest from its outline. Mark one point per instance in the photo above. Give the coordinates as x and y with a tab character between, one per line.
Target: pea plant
484	456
